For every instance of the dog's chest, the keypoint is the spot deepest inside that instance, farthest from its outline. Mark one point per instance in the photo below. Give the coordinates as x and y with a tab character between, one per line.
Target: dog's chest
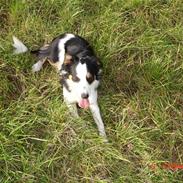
70	93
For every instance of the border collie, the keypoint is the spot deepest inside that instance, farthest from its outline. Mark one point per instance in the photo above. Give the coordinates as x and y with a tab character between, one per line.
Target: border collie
79	70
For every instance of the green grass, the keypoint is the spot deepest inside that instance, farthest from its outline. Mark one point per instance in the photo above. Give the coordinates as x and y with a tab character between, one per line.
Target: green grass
140	43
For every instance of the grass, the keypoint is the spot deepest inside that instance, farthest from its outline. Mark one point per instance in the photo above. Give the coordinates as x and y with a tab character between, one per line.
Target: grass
140	45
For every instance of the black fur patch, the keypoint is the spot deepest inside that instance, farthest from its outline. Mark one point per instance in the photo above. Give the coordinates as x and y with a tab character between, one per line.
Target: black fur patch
77	46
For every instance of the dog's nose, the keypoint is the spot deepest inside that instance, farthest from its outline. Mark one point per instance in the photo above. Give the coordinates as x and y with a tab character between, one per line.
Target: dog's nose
84	95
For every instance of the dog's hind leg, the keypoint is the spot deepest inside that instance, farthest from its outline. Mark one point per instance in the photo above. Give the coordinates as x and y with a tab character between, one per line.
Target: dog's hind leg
38	65
41	55
98	120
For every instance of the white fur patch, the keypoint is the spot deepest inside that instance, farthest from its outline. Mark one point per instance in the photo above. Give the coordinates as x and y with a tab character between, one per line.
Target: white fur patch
37	66
61	47
19	46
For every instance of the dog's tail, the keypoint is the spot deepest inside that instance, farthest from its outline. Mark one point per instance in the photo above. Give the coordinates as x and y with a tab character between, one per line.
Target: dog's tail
19	46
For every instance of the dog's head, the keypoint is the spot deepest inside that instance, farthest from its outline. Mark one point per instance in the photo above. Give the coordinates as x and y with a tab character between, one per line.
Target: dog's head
85	73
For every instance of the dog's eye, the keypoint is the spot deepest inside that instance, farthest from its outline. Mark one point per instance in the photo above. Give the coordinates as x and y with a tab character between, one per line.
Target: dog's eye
89	78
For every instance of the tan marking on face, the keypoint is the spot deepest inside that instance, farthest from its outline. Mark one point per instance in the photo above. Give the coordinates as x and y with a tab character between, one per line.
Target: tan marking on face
89	77
68	59
70	77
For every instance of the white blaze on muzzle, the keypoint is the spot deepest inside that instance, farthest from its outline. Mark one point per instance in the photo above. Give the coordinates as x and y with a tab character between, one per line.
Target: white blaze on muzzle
82	86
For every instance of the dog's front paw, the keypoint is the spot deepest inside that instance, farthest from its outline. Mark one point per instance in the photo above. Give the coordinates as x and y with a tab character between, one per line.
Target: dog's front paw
105	140
104	137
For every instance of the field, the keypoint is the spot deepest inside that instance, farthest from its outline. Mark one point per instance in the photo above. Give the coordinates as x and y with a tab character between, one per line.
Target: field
140	43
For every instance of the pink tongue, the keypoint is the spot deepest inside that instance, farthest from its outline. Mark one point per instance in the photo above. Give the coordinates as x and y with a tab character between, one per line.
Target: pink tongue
84	103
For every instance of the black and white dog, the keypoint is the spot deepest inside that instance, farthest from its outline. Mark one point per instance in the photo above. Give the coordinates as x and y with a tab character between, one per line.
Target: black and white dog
79	70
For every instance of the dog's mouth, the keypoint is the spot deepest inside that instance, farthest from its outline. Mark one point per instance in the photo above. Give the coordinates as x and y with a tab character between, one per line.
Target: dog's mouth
84	103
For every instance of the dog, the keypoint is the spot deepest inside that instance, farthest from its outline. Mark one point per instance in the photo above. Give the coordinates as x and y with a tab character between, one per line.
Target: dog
79	69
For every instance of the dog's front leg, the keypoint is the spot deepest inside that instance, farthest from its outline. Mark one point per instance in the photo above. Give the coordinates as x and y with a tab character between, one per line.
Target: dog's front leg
98	120
67	96
73	109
